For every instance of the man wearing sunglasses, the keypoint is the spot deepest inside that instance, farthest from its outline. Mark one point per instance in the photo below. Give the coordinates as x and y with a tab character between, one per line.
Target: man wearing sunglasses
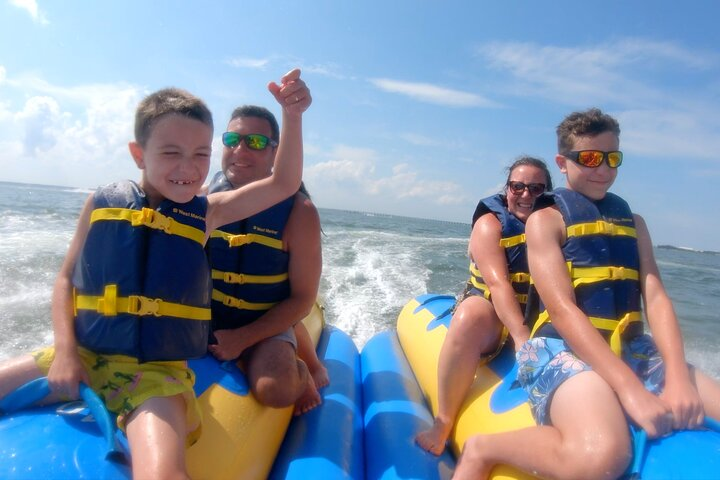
588	363
266	272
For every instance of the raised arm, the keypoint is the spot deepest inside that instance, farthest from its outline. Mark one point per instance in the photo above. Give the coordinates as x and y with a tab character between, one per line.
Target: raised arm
226	207
66	370
490	259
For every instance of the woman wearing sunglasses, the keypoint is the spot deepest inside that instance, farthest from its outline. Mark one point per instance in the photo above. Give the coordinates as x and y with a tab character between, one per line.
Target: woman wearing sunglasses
492	306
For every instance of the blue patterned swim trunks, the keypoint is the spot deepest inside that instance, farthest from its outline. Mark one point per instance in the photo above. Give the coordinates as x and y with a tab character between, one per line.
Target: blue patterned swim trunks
545	363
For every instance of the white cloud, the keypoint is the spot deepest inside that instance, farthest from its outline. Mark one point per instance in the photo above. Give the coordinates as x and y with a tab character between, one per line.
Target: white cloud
70	136
621	71
681	134
330	70
353	172
252	63
32	8
3	74
628	78
434	94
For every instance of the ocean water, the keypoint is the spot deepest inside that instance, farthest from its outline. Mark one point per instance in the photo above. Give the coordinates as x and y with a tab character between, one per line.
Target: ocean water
372	265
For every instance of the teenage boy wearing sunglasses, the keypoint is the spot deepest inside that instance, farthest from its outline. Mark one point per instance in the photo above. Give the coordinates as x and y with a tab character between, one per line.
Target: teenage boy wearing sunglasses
265	285
588	363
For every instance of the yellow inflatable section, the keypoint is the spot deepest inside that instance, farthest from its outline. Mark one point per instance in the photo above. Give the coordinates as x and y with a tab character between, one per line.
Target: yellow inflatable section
421	327
240	437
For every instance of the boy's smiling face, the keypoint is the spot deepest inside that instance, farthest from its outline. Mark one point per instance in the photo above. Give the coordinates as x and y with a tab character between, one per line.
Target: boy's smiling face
175	159
591	182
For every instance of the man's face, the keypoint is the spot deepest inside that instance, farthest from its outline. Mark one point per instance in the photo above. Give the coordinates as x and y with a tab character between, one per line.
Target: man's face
242	164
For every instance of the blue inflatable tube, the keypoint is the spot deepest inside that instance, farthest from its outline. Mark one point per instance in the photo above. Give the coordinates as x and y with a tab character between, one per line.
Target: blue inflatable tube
326	442
394	413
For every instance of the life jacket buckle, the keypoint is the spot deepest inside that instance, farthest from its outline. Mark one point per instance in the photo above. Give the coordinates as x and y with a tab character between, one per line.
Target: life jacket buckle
144	306
232	277
153	219
238	240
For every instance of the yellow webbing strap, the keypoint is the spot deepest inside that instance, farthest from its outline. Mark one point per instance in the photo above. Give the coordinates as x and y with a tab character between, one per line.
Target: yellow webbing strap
512	241
149	218
230	301
585	275
242	278
522	298
600	227
617	327
109	304
247	238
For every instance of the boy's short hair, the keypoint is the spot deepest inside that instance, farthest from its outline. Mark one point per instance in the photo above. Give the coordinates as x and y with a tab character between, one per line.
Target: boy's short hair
245	111
165	102
589	123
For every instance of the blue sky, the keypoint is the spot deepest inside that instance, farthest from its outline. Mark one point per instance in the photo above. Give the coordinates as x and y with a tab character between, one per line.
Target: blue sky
418	105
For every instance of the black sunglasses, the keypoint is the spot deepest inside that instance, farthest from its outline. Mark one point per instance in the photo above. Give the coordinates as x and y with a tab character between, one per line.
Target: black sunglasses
517	188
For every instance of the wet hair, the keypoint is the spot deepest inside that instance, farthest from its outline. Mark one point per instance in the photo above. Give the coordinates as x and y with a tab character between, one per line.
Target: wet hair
245	111
166	102
589	123
533	162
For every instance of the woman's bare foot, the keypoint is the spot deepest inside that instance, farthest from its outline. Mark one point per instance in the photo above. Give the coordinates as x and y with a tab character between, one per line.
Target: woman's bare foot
309	399
320	376
433	440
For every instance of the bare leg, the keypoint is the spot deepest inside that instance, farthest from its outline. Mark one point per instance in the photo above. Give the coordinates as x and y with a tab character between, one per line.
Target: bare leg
709	390
474	329
156	433
16	372
589	438
306	352
277	377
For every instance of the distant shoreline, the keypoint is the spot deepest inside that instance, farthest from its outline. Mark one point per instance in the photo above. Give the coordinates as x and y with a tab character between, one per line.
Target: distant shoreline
687	249
89	190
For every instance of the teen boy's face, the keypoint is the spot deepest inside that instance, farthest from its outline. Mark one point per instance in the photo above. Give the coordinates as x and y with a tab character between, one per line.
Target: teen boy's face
241	164
175	159
591	182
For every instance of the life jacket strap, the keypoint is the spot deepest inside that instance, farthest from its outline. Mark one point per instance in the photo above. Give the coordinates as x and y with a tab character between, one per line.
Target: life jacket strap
616	326
149	218
586	275
230	301
512	241
600	227
242	278
521	297
247	238
110	304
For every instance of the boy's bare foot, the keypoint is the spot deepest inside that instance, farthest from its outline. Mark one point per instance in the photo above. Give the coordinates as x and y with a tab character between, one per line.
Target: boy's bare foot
309	399
433	440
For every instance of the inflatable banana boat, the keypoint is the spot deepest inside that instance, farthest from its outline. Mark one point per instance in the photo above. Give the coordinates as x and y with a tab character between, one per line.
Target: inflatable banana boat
496	404
241	439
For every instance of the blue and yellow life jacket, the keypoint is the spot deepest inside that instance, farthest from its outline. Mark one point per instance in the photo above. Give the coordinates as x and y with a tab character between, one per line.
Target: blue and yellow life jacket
249	265
602	257
142	282
513	241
